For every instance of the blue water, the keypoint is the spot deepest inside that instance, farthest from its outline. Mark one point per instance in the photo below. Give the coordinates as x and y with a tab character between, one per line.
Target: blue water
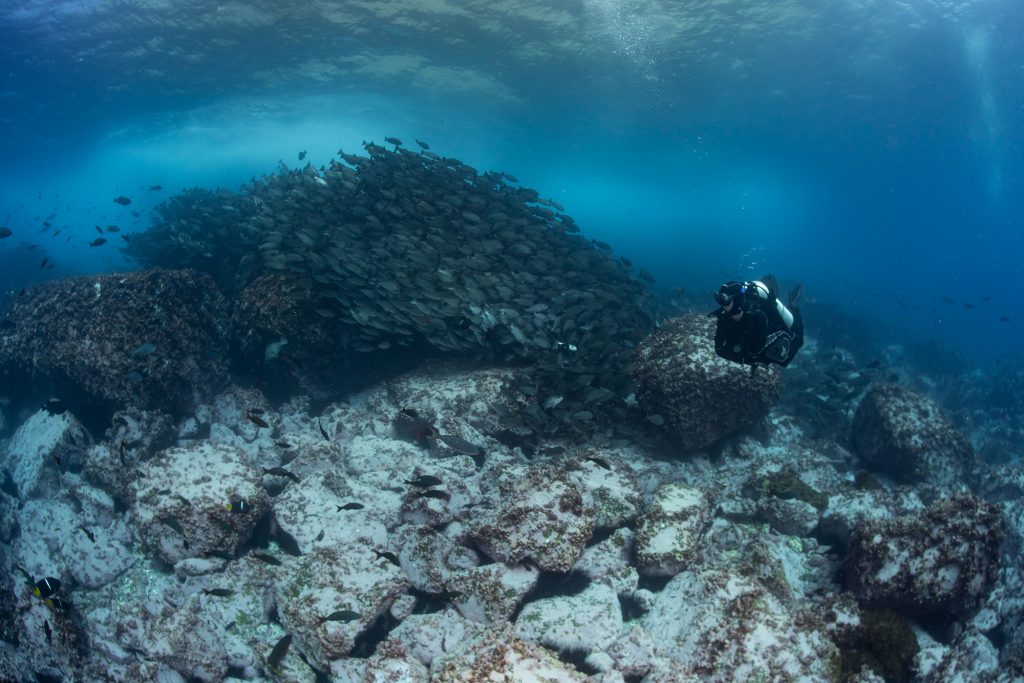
873	151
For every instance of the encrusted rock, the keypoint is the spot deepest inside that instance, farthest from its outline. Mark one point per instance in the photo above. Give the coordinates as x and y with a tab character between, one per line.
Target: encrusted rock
699	397
329	509
586	622
723	627
608	486
490	593
668	534
150	338
429	636
180	500
945	558
610	562
326	580
904	434
41	450
535	513
498	656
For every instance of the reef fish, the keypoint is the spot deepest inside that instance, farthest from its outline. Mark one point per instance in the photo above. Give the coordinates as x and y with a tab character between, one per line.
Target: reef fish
5	232
342	615
46	587
280	472
98	242
279	651
424	481
122	200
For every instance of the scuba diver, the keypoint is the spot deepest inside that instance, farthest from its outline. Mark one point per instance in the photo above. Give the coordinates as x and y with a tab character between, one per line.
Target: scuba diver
753	324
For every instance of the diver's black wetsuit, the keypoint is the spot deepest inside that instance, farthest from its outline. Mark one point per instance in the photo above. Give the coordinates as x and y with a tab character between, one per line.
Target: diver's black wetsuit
759	336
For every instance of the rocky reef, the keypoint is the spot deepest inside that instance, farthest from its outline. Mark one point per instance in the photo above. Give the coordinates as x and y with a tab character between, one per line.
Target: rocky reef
265	542
148	339
682	385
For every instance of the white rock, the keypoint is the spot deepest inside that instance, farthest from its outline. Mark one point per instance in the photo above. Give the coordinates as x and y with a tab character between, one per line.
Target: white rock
429	636
610	562
669	533
190	488
588	621
29	455
499	657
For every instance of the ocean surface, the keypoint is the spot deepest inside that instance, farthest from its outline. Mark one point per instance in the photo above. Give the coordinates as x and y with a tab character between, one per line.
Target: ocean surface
872	151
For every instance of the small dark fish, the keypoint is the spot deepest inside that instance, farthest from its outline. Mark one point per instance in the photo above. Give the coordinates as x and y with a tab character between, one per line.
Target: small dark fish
183	499
161	492
351	506
279	651
600	462
57	603
424	481
48	632
302	155
219	592
256	420
968	306
393	141
55	406
280	472
90	535
46	587
269	559
43	264
947	300
5	232
155	188
434	493
323	432
389	556
126	238
98	242
113	228
1004	318
282	444
222	554
98	229
342	615
422	144
238	507
985	299
320	536
459	445
122	200
256	411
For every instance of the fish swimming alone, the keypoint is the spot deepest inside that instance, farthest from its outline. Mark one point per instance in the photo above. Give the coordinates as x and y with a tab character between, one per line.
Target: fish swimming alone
122	200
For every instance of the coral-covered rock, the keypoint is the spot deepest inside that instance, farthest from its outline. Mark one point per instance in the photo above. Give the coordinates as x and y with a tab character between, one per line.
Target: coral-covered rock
150	338
330	579
668	534
490	593
849	509
189	501
134	436
945	558
904	434
699	397
428	636
971	657
608	485
610	562
725	627
535	513
585	622
497	656
41	450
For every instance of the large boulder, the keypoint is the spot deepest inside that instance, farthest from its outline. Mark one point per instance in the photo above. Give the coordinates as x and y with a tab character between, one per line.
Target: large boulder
698	397
944	558
905	435
150	339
